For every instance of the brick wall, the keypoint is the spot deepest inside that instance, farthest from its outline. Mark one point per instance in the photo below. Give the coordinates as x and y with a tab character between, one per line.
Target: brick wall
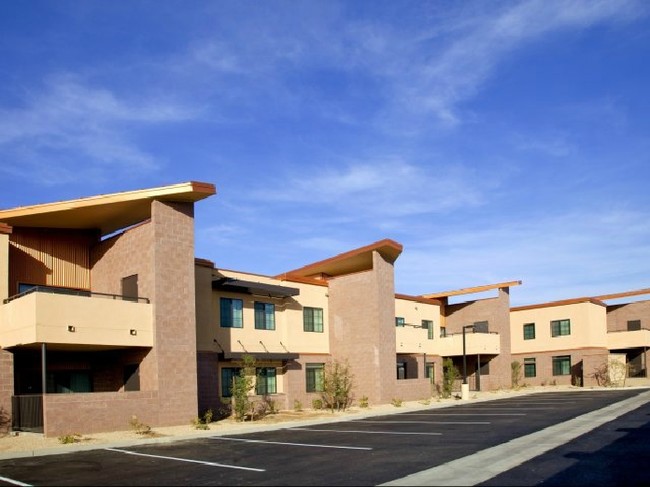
6	388
496	311
618	315
583	365
362	328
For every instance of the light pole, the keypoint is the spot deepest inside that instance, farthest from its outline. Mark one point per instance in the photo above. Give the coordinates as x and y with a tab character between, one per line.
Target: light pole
464	388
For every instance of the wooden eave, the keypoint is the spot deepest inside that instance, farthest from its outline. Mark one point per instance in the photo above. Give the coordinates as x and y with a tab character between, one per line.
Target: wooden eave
356	260
564	302
4	228
419	299
471	290
627	294
106	213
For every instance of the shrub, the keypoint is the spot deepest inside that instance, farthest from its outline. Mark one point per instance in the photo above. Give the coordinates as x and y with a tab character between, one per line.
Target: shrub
241	388
203	422
337	386
396	402
297	405
71	438
139	427
317	404
516	373
363	402
449	376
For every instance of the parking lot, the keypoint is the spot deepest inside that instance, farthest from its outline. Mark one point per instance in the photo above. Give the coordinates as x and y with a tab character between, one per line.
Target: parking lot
370	451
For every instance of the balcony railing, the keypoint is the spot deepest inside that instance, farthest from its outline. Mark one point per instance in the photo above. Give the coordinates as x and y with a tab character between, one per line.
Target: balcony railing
628	339
74	292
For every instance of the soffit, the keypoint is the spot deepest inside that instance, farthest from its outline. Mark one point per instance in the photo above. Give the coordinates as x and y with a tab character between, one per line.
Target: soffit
107	213
356	260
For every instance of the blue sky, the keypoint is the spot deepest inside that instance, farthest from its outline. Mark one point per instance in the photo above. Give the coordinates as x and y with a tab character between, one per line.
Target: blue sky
496	141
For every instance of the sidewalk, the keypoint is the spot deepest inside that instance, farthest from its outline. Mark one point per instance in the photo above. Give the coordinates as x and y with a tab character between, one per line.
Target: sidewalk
33	444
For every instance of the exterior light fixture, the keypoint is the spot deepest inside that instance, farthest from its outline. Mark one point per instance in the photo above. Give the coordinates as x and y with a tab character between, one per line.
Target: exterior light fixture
71	328
133	331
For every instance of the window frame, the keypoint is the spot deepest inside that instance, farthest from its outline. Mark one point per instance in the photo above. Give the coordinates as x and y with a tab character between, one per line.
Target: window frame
265	377
310	323
527	327
428	324
400	321
263	319
528	362
234	318
314	383
226	385
633	325
559	362
561	327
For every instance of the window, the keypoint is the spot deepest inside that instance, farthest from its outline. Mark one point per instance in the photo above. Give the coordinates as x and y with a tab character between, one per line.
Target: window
264	316
228	376
266	382
312	319
529	331
633	325
485	368
130	287
430	371
401	370
131	377
530	367
428	324
314	376
560	327
562	365
232	315
399	321
443	332
481	327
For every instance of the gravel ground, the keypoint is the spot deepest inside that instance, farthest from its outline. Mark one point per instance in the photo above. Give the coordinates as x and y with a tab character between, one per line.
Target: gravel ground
28	444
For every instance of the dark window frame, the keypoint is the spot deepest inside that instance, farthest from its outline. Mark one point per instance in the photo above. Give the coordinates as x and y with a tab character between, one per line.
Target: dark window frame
561	327
312	381
312	320
263	319
266	382
530	364
231	316
527	331
559	365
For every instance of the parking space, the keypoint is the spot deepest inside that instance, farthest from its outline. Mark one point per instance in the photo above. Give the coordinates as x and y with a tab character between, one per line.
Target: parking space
367	451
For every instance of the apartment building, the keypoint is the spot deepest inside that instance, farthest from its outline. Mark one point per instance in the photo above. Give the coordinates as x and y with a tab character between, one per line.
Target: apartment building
97	316
106	314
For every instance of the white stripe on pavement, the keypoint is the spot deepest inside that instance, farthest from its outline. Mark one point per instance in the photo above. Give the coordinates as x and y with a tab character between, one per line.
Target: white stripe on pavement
368	432
245	440
202	462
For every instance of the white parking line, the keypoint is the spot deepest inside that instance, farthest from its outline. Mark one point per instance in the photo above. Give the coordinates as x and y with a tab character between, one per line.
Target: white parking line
423	422
290	444
210	464
368	432
476	414
14	482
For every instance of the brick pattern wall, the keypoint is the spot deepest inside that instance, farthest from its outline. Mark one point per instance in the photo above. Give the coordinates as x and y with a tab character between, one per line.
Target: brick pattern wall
6	389
208	381
97	412
497	312
583	365
174	311
618	315
362	328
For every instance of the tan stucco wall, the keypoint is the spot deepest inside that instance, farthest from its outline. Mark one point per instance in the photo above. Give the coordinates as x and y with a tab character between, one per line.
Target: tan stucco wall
4	267
588	328
412	338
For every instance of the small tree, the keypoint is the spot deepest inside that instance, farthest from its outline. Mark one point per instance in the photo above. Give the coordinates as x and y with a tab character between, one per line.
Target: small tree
515	366
450	375
242	386
337	386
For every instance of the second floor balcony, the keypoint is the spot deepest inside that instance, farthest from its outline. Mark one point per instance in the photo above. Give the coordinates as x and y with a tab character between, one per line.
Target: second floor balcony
68	317
617	340
479	343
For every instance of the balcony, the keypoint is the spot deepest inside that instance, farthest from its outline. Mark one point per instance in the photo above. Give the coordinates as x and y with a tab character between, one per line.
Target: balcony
76	318
475	344
617	340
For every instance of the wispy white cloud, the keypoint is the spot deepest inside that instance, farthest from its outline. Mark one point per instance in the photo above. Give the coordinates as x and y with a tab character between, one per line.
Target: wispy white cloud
72	131
388	188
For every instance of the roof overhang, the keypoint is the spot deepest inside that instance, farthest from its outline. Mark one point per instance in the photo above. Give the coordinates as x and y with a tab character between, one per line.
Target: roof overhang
626	294
563	302
356	260
6	229
260	355
472	290
256	288
106	213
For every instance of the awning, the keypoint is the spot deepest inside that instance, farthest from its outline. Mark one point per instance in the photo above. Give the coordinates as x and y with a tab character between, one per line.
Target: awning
250	287
261	355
